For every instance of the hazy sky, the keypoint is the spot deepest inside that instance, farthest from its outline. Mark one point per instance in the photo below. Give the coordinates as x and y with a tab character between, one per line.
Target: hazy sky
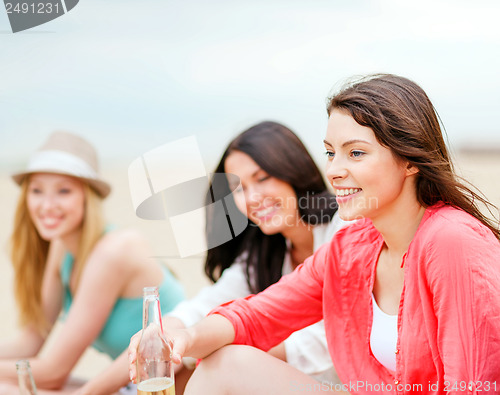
132	75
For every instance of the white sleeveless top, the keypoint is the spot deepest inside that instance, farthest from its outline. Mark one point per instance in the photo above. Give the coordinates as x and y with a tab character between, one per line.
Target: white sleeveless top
384	336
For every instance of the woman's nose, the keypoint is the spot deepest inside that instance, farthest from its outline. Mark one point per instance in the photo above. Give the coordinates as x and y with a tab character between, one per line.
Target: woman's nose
48	202
335	169
253	197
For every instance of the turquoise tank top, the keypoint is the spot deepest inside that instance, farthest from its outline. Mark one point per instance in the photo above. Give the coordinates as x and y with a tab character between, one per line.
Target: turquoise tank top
126	317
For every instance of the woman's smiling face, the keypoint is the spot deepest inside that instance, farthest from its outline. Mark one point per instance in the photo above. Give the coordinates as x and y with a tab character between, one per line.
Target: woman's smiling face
367	178
56	204
267	201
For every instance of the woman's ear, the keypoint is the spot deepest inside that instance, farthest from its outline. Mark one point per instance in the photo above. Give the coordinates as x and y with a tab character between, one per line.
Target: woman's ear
411	169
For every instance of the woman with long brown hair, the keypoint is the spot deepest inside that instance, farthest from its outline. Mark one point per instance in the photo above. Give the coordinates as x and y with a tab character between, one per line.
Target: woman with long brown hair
410	293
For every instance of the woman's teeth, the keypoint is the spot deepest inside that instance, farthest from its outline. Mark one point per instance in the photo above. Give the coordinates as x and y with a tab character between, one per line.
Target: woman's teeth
264	212
347	192
50	221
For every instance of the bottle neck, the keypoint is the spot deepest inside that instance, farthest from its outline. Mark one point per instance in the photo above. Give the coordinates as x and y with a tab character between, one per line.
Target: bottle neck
25	378
151	311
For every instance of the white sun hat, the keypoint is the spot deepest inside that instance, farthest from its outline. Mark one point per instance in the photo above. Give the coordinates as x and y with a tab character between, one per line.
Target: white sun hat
68	154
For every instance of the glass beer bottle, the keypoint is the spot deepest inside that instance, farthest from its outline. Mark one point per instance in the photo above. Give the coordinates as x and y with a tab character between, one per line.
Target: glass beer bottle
155	370
25	378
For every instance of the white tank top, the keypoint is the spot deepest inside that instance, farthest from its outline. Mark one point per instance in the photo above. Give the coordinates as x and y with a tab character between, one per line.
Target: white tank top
384	336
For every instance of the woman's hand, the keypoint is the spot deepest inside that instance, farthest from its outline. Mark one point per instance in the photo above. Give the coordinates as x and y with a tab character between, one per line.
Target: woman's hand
178	339
132	355
198	341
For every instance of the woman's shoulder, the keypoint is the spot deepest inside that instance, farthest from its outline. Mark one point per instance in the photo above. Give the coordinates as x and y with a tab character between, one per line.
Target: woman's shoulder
454	249
121	236
449	234
122	246
445	222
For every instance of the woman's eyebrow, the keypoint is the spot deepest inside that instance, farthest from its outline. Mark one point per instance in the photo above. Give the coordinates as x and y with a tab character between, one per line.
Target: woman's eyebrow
354	141
349	142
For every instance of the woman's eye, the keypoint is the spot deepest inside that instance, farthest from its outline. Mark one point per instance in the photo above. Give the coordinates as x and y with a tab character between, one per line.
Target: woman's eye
64	191
357	154
264	178
330	154
35	190
236	188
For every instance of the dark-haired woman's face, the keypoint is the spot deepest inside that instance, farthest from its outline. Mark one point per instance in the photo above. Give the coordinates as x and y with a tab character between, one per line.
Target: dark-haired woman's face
267	201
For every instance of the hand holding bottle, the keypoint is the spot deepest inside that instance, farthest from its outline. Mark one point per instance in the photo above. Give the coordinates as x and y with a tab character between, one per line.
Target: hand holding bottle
155	374
178	347
198	341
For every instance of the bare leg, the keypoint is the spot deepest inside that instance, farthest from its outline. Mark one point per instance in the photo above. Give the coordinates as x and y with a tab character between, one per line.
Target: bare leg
242	370
10	388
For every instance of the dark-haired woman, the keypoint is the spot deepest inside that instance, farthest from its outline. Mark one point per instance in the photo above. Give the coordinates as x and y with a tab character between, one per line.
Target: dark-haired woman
410	294
281	196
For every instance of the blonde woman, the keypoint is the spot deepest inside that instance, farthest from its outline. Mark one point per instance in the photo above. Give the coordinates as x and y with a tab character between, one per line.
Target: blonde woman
67	260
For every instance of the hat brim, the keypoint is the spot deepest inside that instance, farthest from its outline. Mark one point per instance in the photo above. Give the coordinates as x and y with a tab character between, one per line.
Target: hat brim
102	188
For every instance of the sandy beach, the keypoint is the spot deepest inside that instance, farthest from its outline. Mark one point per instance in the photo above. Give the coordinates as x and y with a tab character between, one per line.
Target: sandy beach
480	168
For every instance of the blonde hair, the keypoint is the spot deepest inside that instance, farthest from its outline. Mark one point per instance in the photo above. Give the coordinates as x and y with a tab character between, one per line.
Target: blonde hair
92	230
29	256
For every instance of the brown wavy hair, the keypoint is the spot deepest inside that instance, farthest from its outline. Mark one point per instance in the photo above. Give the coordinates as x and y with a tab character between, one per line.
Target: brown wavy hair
29	256
405	121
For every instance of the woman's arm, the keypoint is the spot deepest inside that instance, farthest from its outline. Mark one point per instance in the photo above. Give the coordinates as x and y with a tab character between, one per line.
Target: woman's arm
109	380
464	278
25	344
262	320
230	286
296	301
117	374
29	340
198	341
97	293
202	339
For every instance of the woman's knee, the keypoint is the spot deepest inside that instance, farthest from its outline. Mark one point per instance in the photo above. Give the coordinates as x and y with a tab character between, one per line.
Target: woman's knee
231	356
234	359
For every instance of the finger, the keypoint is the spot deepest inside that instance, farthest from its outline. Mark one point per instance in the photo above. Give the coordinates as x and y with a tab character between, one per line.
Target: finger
132	347
134	340
132	356
132	372
178	351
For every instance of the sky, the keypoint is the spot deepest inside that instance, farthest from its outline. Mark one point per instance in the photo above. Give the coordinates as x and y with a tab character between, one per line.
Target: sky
133	75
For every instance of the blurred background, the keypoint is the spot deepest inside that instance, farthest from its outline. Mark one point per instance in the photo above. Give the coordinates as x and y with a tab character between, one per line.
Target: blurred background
133	75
